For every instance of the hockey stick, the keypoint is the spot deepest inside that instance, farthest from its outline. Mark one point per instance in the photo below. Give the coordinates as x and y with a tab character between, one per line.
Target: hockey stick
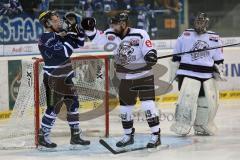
108	147
199	50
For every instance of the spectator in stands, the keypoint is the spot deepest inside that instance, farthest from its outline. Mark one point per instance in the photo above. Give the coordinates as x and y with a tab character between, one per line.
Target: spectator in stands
10	7
31	7
145	16
103	9
84	7
172	5
44	5
104	5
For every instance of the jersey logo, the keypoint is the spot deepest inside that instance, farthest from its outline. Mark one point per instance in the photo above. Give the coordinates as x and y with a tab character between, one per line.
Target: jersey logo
148	43
199	55
134	42
125	54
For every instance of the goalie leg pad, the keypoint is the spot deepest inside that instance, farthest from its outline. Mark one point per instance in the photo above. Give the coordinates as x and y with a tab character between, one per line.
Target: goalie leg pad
186	108
173	70
207	108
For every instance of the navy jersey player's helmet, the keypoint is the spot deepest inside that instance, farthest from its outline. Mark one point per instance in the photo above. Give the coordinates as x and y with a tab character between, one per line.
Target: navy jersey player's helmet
201	23
45	18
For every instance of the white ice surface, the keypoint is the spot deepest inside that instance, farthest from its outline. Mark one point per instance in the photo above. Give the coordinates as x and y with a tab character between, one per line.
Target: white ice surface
225	145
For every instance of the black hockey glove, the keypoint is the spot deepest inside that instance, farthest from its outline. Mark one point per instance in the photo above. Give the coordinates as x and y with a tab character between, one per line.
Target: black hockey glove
75	31
151	57
88	23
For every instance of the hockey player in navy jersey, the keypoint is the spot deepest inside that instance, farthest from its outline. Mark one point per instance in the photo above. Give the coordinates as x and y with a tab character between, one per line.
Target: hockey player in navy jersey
134	57
197	74
56	46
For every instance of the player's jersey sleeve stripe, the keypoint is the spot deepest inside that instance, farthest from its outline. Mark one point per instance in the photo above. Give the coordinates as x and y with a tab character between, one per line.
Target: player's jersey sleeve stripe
65	51
69	45
135	34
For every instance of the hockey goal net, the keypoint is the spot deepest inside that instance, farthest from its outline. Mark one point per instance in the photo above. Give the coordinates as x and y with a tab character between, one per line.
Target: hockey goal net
92	82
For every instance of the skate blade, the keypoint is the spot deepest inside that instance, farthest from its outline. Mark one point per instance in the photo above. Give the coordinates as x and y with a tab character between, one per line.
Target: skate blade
158	148
78	147
45	149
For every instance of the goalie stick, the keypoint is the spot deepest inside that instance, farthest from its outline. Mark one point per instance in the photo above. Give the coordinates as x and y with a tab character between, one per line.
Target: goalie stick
199	50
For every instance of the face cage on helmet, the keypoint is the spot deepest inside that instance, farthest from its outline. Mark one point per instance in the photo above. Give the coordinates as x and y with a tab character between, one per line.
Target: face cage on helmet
200	25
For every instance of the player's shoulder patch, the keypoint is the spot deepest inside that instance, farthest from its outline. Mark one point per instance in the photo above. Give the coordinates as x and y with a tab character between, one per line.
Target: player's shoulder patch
148	43
213	36
187	32
111	35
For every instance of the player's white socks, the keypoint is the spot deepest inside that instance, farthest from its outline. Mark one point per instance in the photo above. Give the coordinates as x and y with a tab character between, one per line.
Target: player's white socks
126	117
151	114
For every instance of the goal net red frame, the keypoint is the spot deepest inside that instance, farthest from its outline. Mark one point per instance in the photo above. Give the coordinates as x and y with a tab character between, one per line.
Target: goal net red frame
37	82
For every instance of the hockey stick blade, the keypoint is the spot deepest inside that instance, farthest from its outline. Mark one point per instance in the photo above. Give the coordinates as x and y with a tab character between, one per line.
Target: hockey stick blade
108	147
199	50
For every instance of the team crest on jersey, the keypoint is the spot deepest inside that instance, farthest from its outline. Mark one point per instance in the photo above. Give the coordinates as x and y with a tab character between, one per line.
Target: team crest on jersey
125	53
111	38
198	55
134	42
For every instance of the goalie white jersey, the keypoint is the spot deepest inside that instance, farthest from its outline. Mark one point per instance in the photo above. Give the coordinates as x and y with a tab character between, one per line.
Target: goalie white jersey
198	64
129	51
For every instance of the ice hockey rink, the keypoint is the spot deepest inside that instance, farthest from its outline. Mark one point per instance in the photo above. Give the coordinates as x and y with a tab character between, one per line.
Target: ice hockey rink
225	145
164	21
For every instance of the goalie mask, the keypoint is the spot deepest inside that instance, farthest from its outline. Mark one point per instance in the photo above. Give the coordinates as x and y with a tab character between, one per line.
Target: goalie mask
201	23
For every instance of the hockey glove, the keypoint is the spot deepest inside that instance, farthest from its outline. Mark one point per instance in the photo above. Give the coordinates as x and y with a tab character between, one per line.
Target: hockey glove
151	57
88	23
74	31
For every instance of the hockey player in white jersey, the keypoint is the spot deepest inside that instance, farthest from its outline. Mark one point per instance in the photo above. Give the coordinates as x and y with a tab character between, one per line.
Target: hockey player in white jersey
197	74
134	57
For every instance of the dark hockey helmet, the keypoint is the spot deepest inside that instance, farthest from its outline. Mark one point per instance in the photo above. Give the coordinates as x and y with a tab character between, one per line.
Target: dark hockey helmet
72	17
119	18
201	23
45	18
